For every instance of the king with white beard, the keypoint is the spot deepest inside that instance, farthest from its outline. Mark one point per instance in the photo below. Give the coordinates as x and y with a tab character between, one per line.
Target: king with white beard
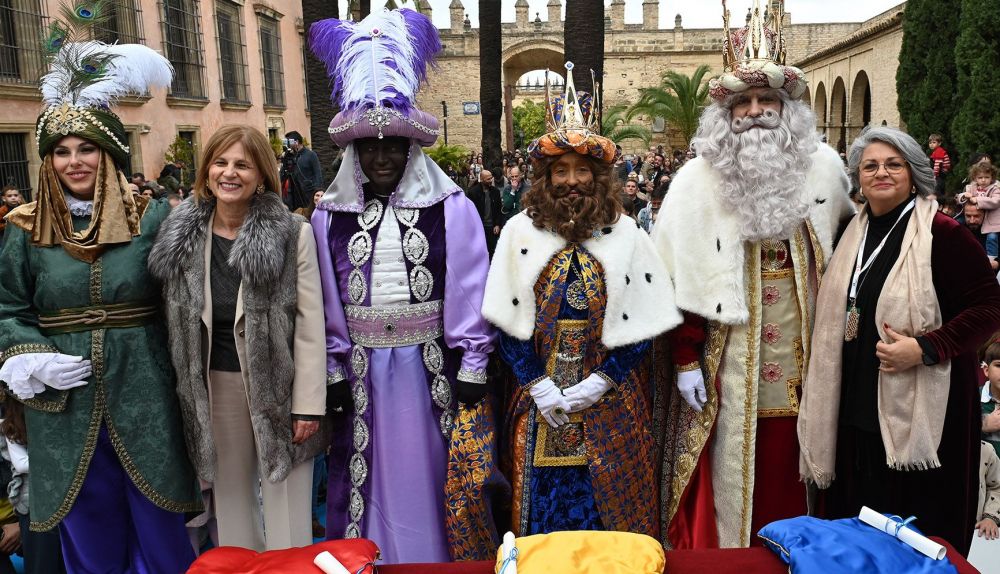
745	233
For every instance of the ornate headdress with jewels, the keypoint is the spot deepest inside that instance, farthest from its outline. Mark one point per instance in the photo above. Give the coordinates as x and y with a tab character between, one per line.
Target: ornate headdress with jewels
376	66
573	126
754	56
86	77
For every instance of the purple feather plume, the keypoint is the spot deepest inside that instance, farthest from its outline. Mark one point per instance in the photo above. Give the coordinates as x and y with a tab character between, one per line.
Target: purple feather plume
400	57
425	39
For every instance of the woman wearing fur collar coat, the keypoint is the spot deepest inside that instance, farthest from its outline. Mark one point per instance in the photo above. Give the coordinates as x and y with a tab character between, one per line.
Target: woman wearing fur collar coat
245	314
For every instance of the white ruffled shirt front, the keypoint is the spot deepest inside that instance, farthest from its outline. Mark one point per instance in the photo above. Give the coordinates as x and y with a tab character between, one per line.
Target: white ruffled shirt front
79	207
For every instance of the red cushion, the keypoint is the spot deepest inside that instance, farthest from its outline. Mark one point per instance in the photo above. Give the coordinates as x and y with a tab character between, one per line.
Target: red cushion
353	554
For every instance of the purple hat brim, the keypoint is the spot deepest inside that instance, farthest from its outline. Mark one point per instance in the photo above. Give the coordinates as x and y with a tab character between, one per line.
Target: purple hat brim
414	124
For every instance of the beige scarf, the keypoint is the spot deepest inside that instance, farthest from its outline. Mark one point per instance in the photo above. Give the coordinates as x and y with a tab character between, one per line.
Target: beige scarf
911	404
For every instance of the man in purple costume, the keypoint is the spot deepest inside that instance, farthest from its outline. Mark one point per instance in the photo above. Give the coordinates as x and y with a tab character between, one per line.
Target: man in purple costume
403	263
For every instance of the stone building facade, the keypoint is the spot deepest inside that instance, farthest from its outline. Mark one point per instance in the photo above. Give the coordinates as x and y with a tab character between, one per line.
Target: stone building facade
636	55
235	61
853	81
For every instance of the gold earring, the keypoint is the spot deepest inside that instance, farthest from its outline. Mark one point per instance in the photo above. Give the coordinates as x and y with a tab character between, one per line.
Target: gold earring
260	188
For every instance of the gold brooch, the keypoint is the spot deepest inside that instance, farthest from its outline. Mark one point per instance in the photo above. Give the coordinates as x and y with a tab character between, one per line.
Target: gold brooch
66	120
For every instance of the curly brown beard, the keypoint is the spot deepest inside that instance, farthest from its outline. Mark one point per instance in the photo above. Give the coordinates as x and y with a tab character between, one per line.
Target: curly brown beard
575	218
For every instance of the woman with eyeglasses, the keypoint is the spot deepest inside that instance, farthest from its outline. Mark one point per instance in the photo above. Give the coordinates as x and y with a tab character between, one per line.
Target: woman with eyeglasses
889	415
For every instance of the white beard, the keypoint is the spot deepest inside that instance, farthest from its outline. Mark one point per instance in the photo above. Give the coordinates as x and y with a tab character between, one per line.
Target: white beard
763	168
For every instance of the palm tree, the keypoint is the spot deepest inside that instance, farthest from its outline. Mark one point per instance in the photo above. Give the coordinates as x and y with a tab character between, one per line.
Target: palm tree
616	127
321	108
583	36
679	100
490	82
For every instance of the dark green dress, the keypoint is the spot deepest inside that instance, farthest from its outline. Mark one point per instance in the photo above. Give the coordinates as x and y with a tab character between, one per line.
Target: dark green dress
132	389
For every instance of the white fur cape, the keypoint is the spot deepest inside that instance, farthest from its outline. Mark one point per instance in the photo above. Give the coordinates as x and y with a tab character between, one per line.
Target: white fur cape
698	235
640	296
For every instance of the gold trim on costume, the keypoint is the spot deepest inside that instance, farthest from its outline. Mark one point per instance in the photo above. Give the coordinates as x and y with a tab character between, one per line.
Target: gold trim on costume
96	279
697	435
793	401
27	348
792	384
692	366
806	306
752	288
817	248
90	443
140	481
542	457
779	274
563	325
547	459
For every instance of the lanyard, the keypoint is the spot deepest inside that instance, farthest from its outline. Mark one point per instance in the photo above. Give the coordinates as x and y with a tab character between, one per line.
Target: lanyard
858	267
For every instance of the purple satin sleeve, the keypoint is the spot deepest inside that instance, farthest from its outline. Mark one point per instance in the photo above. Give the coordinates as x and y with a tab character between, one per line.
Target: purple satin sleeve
467	263
338	342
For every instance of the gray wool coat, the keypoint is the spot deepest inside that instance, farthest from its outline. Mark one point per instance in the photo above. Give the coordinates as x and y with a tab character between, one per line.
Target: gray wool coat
279	328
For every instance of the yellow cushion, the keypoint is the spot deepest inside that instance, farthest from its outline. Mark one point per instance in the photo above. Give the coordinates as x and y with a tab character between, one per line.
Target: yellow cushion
585	552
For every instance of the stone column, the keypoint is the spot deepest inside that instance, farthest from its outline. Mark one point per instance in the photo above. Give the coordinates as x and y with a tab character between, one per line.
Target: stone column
521	14
650	14
555	13
457	13
617	14
425	8
678	33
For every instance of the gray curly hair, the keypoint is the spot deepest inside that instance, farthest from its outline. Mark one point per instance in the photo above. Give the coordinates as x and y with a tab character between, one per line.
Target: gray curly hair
920	168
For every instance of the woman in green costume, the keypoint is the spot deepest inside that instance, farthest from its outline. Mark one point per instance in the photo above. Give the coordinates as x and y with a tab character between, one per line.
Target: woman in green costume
82	344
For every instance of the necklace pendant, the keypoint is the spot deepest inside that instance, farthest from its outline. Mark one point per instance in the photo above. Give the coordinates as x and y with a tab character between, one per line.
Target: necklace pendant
853	319
576	295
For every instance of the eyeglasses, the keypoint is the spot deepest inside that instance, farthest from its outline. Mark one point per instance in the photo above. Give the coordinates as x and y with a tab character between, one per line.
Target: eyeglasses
892	167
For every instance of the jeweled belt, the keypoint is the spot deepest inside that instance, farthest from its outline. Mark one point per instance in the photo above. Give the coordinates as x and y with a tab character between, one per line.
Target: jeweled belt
383	326
111	316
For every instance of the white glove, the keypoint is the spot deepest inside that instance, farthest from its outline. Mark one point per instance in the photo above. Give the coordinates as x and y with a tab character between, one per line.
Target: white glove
551	403
584	394
691	384
28	373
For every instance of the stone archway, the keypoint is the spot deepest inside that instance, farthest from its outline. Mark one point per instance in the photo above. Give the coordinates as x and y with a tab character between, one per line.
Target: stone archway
519	59
819	106
524	57
838	116
861	105
807	97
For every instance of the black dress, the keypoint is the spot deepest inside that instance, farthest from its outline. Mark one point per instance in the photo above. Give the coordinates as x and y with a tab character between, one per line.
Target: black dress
943	499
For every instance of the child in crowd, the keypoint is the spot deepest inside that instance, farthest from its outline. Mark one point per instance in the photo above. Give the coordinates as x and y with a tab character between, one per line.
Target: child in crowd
984	192
940	161
991	395
42	551
988	526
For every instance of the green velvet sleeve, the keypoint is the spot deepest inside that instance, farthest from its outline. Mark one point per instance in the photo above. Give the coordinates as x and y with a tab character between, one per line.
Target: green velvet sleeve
19	331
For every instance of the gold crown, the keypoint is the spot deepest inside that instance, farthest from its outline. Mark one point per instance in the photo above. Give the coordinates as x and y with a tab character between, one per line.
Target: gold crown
760	40
573	124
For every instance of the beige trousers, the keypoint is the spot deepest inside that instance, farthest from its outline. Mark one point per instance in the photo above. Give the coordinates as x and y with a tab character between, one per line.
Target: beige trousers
239	491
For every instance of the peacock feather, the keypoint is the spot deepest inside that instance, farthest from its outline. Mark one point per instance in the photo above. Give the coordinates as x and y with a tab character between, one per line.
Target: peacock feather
86	72
84	13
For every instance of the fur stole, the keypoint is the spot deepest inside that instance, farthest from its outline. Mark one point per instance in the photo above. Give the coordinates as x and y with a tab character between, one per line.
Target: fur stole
266	255
640	296
698	236
182	238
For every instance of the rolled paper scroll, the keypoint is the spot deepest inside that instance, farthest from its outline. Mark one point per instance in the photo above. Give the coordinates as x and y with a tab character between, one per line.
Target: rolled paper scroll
509	551
329	564
896	526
